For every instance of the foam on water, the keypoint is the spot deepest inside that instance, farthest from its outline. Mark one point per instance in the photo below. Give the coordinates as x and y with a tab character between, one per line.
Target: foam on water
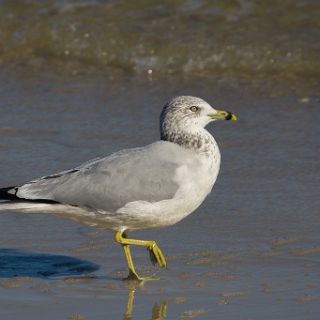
239	38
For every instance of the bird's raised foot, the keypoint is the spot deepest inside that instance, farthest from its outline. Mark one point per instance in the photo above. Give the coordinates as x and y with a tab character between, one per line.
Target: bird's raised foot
156	255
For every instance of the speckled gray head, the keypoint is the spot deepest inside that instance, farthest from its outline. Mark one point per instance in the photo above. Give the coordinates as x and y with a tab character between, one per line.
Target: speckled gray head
184	117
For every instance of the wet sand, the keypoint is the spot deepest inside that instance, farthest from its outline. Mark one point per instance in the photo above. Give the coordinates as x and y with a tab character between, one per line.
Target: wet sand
251	251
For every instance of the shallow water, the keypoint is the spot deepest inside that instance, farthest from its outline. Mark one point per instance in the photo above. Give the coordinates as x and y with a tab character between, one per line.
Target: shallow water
251	251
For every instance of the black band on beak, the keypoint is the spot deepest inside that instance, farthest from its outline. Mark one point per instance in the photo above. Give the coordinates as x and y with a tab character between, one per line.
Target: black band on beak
229	116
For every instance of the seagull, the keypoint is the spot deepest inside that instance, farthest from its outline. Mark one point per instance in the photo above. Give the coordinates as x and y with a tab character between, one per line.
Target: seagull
154	186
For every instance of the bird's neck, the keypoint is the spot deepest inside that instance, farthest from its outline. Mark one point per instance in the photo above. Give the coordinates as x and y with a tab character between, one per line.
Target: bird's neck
197	139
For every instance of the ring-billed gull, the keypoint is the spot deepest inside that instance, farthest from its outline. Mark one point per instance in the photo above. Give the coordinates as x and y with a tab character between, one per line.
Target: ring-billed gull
149	187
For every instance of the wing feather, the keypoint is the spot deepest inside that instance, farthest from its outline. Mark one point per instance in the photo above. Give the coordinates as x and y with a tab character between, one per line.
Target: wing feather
141	174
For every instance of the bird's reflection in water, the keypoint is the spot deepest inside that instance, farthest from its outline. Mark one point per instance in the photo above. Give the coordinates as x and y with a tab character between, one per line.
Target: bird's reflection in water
158	312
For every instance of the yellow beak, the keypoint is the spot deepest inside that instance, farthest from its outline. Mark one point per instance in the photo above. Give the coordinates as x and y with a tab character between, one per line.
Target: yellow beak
223	115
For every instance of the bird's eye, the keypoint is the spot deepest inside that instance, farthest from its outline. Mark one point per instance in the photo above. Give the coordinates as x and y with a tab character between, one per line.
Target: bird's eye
194	108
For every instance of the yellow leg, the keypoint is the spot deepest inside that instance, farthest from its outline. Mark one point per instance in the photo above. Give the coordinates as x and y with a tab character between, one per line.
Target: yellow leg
132	272
155	253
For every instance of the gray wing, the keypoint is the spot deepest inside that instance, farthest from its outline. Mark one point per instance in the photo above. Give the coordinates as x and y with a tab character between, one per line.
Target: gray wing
145	174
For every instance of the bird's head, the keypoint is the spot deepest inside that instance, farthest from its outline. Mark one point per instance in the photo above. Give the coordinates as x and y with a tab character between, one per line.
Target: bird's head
187	112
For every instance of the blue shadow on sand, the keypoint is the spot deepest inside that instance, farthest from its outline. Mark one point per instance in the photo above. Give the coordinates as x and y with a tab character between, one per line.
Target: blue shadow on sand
15	263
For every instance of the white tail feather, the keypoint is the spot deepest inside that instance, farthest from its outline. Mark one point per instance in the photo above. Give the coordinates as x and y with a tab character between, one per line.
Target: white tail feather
26	207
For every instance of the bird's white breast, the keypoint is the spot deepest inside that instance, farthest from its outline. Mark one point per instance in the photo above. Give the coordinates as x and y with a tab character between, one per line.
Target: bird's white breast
195	178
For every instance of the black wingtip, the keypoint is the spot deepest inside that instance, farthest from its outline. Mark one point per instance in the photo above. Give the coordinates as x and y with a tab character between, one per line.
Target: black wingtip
10	194
5	195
